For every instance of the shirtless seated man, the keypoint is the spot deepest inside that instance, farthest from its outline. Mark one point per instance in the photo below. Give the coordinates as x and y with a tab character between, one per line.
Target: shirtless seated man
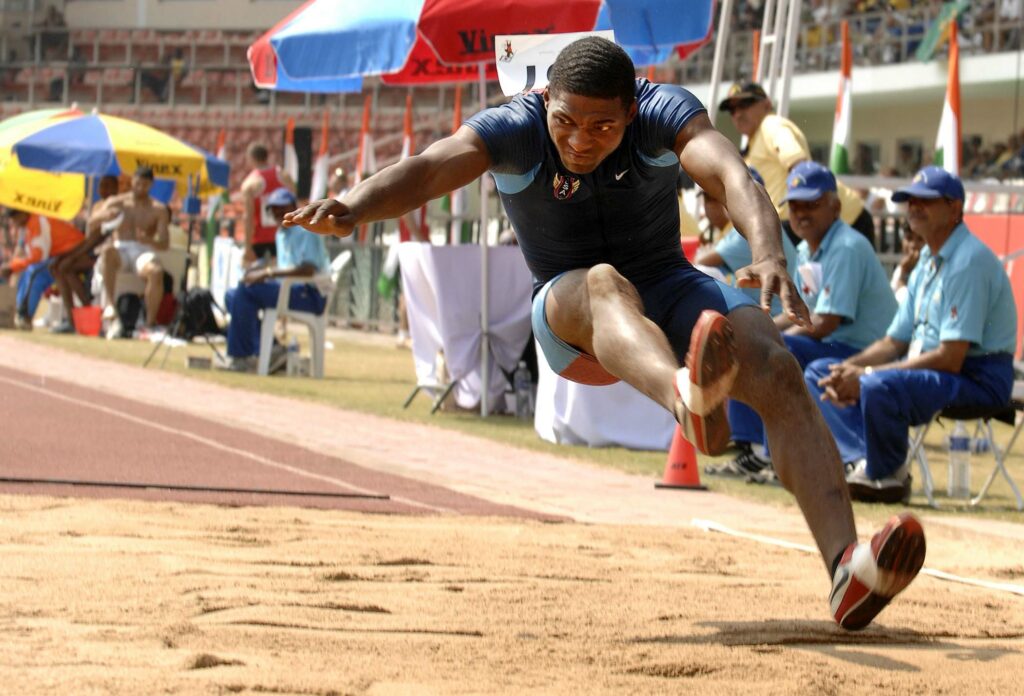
141	232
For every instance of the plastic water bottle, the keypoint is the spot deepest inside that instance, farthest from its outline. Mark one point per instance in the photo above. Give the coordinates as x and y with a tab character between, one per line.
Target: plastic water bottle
522	384
959	462
292	367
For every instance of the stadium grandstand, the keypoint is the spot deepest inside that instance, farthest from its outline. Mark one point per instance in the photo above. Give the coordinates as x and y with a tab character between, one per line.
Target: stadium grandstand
186	73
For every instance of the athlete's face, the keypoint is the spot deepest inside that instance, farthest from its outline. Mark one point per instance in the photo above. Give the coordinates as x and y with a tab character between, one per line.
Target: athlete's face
141	186
586	129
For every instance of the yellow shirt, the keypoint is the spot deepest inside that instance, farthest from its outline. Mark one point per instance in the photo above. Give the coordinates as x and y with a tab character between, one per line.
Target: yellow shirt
776	146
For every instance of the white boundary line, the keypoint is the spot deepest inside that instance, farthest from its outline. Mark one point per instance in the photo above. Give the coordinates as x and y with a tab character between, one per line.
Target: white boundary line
217	445
712	526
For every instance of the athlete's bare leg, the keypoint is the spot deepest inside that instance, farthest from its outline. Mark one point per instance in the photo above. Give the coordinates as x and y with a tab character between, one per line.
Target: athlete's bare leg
111	266
153	274
600	312
803	450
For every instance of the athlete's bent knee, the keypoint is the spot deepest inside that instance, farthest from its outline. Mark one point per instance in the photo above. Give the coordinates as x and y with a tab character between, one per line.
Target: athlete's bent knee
604	282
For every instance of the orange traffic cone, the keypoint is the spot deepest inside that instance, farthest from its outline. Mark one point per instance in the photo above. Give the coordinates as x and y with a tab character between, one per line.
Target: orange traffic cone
681	467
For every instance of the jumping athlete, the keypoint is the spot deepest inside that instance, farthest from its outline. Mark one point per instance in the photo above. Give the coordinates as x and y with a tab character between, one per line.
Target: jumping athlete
586	172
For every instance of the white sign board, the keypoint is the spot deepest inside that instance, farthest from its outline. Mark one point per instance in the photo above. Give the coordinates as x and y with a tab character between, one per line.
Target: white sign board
524	60
226	270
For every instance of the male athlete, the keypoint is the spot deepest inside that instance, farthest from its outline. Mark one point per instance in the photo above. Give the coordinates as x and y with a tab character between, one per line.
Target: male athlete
587	172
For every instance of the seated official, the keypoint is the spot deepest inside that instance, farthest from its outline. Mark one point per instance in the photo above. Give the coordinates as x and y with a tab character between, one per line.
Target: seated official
300	254
951	343
45	239
840	279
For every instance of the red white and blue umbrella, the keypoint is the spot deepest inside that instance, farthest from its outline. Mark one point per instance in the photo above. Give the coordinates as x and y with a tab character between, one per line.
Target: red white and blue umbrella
325	45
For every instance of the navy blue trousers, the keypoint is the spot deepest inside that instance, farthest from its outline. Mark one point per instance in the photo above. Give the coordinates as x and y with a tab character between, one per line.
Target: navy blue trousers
891	401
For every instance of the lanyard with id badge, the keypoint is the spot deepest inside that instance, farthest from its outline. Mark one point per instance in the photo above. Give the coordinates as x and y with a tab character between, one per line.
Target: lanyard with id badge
930	295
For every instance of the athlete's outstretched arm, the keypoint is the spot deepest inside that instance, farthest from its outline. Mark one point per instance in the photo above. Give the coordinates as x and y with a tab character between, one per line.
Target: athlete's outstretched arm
714	163
445	166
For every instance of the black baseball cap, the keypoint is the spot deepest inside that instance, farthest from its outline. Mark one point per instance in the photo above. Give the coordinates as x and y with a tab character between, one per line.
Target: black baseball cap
749	92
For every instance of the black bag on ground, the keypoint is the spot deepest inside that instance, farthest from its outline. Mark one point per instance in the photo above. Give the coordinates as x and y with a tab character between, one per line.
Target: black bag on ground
198	318
129	307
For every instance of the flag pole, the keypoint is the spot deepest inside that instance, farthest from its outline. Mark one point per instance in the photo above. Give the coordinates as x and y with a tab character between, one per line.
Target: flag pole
485	342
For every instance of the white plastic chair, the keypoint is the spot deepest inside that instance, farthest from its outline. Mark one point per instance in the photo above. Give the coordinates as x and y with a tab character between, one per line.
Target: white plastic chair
316	323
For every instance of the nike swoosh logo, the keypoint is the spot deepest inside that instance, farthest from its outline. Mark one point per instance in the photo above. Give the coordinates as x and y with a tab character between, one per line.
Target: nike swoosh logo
621	174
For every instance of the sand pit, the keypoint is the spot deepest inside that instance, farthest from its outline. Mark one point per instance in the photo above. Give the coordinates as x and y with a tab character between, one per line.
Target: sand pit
141	597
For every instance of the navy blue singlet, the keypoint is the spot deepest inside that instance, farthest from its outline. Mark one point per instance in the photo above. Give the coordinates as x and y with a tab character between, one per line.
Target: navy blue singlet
624	213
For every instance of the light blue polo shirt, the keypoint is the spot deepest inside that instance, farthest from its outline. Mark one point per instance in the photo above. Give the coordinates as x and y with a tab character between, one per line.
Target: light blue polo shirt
960	294
296	246
734	249
851	283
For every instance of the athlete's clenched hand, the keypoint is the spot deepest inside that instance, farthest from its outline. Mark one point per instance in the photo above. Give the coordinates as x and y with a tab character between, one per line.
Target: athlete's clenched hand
327	216
772	278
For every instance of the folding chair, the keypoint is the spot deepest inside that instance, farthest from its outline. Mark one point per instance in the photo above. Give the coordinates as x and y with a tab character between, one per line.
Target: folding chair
984	416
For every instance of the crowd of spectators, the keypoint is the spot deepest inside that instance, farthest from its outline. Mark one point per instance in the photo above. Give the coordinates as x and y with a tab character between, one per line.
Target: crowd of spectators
1002	160
887	31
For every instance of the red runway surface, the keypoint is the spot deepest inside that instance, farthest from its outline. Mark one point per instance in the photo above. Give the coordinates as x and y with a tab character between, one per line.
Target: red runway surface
114	447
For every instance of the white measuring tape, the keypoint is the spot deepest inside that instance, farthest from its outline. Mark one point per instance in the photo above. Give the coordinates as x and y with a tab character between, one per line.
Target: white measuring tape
712	526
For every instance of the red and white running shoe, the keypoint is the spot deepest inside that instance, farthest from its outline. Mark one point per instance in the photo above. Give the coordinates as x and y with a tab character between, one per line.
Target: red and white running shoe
869	575
704	383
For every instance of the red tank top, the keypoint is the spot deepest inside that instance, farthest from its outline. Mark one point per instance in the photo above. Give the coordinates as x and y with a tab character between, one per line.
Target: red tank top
264	225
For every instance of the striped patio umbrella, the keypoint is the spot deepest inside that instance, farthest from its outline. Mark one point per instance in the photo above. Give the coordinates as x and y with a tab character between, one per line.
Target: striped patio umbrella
76	145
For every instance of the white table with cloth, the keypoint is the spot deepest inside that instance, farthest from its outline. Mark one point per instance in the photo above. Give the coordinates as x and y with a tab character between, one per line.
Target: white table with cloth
442	294
613	415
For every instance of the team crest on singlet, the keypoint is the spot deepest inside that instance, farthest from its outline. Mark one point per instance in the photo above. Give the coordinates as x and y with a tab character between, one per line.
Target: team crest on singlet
565	186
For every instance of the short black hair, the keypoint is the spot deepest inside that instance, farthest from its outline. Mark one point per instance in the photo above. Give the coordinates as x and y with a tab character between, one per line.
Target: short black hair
258	152
594	67
144	173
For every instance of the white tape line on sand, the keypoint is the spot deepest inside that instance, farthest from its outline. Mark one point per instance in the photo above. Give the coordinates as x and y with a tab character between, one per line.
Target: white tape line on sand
259	459
712	526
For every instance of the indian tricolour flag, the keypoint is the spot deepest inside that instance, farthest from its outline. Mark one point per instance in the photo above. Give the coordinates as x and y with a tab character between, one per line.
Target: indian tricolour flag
366	160
318	185
947	144
839	162
291	158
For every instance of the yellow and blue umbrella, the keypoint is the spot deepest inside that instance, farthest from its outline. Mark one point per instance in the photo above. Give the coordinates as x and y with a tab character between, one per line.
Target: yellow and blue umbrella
76	145
32	190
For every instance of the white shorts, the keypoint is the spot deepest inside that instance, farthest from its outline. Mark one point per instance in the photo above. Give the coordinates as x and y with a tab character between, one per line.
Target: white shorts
134	255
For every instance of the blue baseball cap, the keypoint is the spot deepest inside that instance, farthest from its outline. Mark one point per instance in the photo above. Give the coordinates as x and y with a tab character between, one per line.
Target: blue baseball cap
280	197
932	182
808	181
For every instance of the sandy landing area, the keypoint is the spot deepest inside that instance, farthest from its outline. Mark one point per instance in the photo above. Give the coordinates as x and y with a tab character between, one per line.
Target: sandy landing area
137	597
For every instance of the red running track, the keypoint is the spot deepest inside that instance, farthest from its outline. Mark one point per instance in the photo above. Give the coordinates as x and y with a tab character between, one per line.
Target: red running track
113	447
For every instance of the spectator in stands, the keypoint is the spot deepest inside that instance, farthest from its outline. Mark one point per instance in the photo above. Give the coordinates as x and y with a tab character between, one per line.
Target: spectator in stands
172	68
141	231
259	223
67	271
843	284
45	239
775	146
54	35
950	344
300	254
